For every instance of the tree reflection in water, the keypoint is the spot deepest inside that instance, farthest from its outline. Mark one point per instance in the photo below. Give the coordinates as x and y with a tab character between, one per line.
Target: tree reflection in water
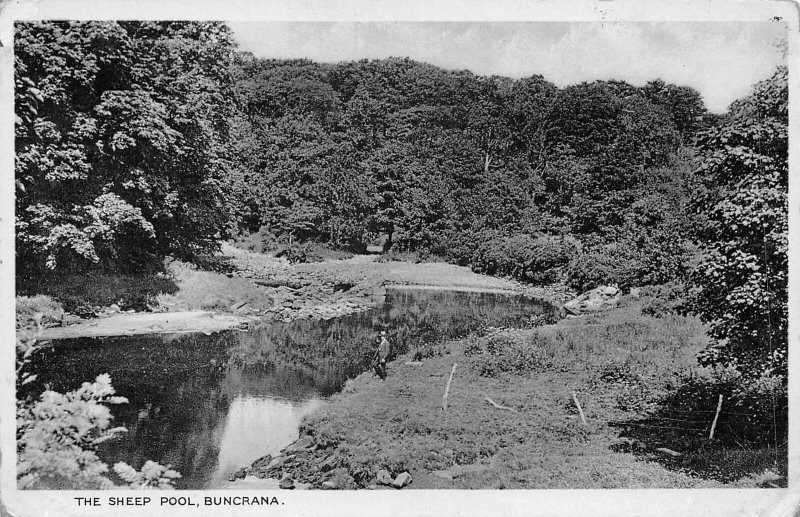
210	404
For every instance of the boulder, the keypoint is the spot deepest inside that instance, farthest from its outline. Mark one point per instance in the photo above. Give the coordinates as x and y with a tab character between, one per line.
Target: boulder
599	298
278	462
329	485
402	479
239	474
383	477
262	462
329	463
286	483
302	444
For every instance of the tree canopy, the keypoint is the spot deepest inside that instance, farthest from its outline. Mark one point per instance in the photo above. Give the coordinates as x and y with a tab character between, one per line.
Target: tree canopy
121	142
743	279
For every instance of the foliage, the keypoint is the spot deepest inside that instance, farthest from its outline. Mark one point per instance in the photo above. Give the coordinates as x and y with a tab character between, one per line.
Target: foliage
443	162
297	253
510	354
120	136
261	241
527	258
40	310
741	283
58	435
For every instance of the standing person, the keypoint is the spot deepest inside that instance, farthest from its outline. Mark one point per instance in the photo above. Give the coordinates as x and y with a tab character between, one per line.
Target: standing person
381	355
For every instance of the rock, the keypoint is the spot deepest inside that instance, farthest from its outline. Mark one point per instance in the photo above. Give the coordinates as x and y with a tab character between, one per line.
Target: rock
383	477
286	483
238	305
402	479
329	485
597	299
636	292
239	474
329	463
277	462
444	474
306	442
262	462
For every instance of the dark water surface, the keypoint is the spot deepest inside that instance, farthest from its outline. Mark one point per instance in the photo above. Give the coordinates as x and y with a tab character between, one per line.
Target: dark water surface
208	405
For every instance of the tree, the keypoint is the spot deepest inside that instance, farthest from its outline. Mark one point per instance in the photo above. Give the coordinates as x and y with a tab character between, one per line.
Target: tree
120	142
742	281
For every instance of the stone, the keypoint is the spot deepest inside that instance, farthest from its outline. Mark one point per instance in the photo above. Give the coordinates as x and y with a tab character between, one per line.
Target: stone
262	462
444	474
239	474
383	477
286	483
277	462
402	479
329	485
301	444
600	298
329	463
636	292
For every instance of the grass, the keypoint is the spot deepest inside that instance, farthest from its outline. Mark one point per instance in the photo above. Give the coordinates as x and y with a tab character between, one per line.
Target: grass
622	365
210	290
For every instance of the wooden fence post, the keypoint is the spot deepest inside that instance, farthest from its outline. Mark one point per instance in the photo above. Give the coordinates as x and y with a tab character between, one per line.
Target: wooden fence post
447	389
580	409
716	416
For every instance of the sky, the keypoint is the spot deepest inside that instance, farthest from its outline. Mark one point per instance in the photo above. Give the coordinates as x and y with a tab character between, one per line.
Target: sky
721	60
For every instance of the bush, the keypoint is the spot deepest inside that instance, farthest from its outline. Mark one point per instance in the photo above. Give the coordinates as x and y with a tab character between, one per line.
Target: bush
627	262
85	294
58	434
755	409
40	307
530	259
300	254
262	241
509	354
661	300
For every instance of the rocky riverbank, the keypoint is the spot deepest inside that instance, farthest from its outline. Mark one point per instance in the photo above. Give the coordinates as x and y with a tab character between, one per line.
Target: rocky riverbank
253	288
309	463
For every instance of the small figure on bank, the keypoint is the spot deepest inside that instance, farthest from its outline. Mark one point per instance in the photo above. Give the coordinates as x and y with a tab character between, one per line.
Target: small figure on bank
381	354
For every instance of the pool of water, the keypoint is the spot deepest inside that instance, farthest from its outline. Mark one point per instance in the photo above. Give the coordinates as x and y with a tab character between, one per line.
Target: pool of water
208	405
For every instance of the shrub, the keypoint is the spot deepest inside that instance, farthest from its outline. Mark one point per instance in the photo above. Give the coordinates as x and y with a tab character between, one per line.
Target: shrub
40	307
755	409
58	434
57	437
510	354
261	241
635	259
531	259
300	253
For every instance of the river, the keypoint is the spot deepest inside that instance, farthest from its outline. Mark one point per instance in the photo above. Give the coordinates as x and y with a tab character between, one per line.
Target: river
207	405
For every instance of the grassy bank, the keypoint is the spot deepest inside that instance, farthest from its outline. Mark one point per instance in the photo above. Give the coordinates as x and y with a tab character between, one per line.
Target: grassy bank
625	369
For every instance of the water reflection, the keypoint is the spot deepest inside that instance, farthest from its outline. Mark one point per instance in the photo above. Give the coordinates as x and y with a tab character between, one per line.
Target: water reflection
256	426
208	405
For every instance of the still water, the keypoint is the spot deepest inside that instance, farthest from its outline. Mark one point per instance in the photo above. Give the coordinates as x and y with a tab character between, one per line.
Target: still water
208	405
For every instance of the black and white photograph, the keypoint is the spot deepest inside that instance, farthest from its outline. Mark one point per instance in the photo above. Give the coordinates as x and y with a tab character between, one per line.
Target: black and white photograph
473	259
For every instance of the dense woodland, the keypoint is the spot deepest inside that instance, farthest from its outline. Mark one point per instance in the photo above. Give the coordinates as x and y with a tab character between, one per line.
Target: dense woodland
141	140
